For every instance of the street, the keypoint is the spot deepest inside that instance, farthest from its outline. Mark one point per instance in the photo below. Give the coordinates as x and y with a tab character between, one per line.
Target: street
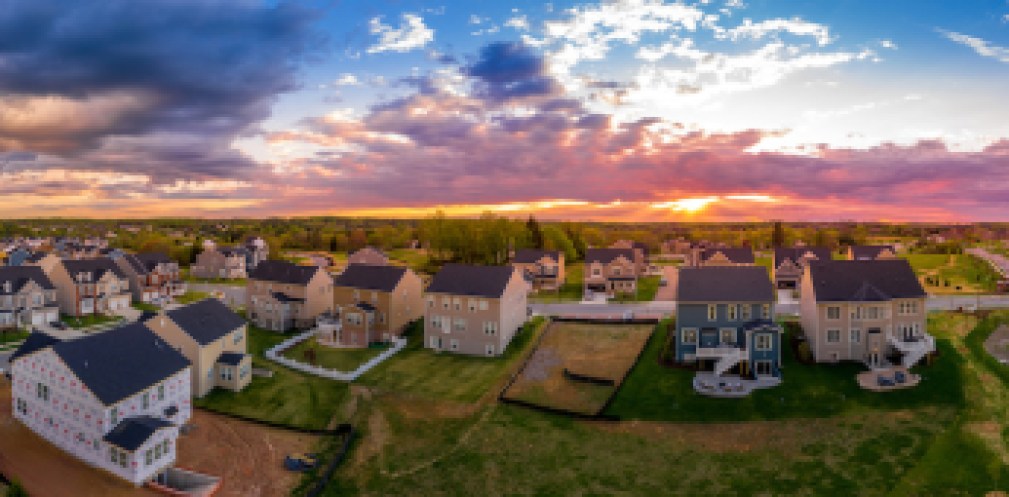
234	296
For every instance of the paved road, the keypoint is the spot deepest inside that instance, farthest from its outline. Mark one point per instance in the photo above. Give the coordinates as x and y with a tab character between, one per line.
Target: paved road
234	296
998	261
5	361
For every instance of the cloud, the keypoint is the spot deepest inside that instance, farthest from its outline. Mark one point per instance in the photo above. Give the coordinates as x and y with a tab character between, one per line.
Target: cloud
511	70
410	35
981	47
795	26
347	79
888	44
520	23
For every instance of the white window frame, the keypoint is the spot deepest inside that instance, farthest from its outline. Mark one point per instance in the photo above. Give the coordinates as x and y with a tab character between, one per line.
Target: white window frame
683	336
765	311
837	310
732	312
855	335
712	312
724	332
747	312
763	337
837	336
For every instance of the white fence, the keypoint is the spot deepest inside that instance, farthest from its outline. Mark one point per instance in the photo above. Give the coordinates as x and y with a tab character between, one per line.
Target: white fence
275	354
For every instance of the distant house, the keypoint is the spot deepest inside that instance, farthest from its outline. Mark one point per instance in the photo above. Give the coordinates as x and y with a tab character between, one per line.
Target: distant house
114	400
256	250
871	252
368	255
725	321
640	253
791	262
543	268
610	271
474	310
90	286
27	297
375	304
214	340
865	311
17	256
722	256
153	276
226	263
281	296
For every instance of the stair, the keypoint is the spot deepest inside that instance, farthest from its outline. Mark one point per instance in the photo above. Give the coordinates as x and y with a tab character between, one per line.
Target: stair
914	351
727	361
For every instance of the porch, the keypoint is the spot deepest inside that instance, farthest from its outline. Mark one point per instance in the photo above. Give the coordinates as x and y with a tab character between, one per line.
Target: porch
888	379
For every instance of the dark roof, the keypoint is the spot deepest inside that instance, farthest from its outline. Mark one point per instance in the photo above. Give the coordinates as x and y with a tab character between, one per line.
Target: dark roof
132	432
283	272
364	306
369	247
371	277
283	297
607	255
738	255
724	284
795	254
206	321
152	259
97	267
119	363
19	276
868	252
231	358
874	281
529	256
640	246
230	251
34	343
138	266
36	256
462	279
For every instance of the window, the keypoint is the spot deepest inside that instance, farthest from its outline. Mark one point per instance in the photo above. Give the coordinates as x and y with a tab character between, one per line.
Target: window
833	336
123	459
164	447
113	455
483	305
595	271
472	305
436	322
430	302
435	343
226	373
763	341
764	368
457	303
357	295
747	312
872	312
238	337
94	444
157	452
147	457
689	336
43	392
733	312
115	416
453	344
161	392
855	335
727	336
374	297
489	349
446	302
833	312
490	327
145	400
460	324
765	311
712	312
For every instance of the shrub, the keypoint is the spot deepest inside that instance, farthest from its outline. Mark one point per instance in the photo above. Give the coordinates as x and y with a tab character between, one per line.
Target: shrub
805	355
16	490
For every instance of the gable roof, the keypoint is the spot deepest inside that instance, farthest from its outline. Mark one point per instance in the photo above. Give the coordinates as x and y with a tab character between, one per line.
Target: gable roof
529	256
231	358
121	362
19	276
724	284
283	272
35	342
872	281
206	321
738	255
371	277
233	251
608	255
96	267
132	432
795	254
368	248
151	260
463	279
135	263
868	252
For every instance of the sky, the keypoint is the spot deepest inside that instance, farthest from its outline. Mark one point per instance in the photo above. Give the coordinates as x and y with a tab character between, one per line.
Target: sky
622	110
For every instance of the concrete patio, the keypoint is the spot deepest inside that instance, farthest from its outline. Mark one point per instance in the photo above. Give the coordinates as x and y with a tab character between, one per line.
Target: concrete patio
869	380
706	383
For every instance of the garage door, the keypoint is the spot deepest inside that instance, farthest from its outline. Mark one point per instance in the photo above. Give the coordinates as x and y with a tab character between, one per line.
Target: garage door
38	319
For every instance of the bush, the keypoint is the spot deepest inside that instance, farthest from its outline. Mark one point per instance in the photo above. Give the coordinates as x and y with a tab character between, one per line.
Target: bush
16	490
805	355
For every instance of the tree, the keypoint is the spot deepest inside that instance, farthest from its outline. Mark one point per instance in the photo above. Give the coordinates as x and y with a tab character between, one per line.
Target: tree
778	235
535	233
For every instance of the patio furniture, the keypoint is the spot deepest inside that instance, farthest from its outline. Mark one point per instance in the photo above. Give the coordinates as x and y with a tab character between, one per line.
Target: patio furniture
883	381
899	377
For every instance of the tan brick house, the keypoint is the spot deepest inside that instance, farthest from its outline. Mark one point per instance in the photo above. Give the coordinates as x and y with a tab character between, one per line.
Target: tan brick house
226	263
374	303
153	276
281	295
543	268
368	255
27	297
610	271
90	286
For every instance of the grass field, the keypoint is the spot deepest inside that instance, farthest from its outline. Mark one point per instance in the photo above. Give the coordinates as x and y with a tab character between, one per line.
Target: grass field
570	291
88	320
288	397
8	336
420	372
415	259
191	296
956	273
647	288
332	358
600	351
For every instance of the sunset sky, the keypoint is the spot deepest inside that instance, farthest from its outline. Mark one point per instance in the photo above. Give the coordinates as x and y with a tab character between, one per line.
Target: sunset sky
614	110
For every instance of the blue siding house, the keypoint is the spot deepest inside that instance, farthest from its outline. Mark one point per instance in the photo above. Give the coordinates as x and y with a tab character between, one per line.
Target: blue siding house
725	321
18	256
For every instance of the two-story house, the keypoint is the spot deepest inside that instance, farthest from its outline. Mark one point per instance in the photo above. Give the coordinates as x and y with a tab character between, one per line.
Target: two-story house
789	265
725	321
722	256
375	303
543	268
90	286
368	255
640	253
225	263
213	338
114	400
865	311
610	271
153	276
281	295
27	297
474	310
16	256
871	252
256	251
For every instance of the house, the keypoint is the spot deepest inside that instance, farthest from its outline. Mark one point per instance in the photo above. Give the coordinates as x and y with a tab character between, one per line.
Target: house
256	250
214	340
871	252
865	311
544	268
789	265
375	304
474	310
90	286
640	254
17	256
722	256
610	271
226	263
368	255
153	276
281	295
114	400
725	321
27	297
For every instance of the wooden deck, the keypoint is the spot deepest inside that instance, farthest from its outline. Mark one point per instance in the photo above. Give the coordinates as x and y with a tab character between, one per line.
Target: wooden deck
869	379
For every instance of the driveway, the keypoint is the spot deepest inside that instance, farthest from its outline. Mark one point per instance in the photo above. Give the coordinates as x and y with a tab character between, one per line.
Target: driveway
234	296
668	293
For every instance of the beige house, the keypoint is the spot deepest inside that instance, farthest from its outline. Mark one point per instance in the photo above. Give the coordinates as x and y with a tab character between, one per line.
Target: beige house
722	256
227	263
610	271
213	338
871	252
789	265
374	304
281	296
544	269
153	276
640	253
368	255
27	297
474	310
90	286
865	311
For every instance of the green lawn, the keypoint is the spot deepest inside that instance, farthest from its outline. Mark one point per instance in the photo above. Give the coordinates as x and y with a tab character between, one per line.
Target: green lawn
413	258
765	261
956	273
925	262
417	371
8	336
289	397
191	296
216	281
146	307
647	287
570	291
88	320
656	392
332	358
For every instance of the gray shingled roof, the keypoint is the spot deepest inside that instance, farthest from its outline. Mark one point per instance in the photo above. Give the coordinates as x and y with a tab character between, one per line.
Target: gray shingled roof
206	321
529	256
738	255
371	277
131	433
607	255
283	272
873	281
19	276
231	358
97	267
35	342
151	260
480	281
724	284
796	253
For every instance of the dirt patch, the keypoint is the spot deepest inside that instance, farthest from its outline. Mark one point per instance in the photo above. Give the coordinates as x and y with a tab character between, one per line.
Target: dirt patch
997	344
